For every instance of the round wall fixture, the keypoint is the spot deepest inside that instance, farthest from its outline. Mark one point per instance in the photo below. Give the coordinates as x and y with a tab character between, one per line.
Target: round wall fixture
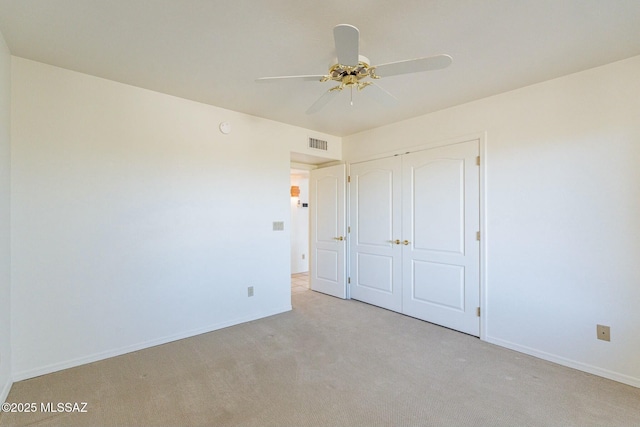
225	127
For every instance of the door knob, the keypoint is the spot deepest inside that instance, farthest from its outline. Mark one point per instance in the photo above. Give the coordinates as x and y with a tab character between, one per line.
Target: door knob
397	241
406	242
339	238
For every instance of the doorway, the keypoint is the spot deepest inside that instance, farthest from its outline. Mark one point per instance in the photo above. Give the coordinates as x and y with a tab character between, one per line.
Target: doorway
299	229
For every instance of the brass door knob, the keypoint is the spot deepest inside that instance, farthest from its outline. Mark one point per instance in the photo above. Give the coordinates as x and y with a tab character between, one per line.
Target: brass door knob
406	242
339	238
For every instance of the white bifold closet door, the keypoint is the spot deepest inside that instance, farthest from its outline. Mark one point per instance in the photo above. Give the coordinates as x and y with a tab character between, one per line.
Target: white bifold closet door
414	224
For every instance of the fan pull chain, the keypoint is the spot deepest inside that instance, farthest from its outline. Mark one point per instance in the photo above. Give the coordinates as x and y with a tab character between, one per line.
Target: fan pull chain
352	96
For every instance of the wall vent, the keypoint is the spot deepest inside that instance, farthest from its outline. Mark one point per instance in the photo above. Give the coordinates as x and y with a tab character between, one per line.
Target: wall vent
318	144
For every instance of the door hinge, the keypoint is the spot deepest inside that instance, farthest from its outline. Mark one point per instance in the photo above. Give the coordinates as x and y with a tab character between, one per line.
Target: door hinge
478	311
349	280
349	229
349	178
478	160
477	235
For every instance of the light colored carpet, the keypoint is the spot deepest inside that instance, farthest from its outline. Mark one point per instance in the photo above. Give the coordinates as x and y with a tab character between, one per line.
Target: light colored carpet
329	362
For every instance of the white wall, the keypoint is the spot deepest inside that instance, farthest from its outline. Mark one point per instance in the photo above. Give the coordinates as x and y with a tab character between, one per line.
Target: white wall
135	221
300	226
5	230
562	212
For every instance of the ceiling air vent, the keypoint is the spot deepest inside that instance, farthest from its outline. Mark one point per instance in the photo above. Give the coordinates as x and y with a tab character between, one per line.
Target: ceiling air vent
318	144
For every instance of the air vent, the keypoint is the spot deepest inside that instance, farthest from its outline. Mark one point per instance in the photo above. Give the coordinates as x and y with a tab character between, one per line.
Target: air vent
318	144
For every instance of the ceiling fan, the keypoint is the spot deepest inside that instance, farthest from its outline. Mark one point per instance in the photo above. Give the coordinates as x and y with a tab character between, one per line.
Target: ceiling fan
352	70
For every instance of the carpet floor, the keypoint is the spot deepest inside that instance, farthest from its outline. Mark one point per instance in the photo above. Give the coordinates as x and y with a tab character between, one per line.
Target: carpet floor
328	362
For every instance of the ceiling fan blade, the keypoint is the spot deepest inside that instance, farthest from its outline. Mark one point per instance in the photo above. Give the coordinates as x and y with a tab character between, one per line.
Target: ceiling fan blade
428	63
322	101
347	39
380	95
280	78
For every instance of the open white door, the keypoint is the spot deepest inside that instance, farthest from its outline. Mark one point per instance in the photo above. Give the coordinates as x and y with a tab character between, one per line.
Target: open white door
328	231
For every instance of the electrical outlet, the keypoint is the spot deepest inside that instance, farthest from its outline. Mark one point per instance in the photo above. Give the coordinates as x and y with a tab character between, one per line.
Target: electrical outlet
604	332
250	291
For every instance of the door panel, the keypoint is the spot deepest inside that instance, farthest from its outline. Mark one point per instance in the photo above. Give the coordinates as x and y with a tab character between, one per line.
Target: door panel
327	266
327	222
375	272
374	190
375	261
441	224
440	219
439	284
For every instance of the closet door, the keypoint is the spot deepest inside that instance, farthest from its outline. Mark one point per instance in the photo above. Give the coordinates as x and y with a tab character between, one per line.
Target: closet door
375	259
441	255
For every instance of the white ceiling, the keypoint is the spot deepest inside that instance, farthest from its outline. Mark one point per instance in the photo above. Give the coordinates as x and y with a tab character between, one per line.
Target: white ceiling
212	50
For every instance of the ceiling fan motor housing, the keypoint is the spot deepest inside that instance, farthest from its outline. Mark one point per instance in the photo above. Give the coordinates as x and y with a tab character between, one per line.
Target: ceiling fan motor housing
351	75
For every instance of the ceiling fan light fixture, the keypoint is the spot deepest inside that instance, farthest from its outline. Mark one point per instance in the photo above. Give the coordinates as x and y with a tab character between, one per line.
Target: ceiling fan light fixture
350	69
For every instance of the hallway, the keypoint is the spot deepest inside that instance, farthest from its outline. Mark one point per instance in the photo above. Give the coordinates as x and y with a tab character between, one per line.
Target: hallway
299	282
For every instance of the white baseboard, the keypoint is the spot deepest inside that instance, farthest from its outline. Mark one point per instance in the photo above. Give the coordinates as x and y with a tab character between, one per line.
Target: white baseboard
54	367
625	379
4	393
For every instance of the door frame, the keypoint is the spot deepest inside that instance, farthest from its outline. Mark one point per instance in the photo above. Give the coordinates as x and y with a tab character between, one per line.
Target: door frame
481	137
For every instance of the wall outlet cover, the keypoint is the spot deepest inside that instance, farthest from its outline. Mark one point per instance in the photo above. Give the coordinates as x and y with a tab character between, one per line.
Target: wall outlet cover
604	332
